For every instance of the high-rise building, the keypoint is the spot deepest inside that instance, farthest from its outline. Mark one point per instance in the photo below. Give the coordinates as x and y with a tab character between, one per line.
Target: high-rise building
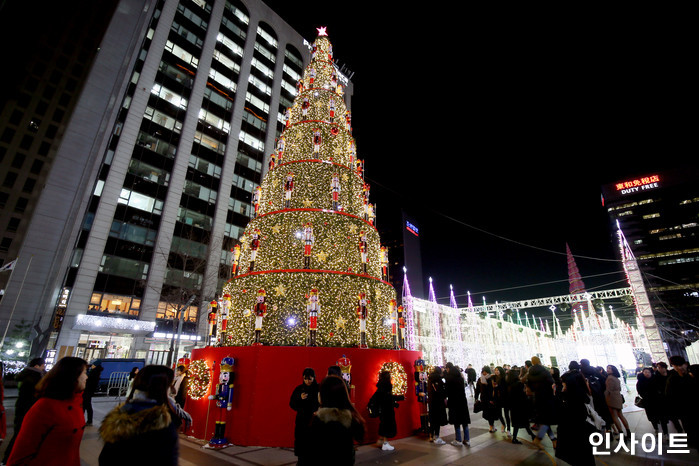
154	177
658	213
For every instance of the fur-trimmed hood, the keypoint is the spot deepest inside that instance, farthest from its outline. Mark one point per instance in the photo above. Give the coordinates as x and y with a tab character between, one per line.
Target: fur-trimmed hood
343	416
120	424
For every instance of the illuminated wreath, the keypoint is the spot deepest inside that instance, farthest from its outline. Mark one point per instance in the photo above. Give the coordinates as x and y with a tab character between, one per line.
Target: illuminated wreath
399	379
199	379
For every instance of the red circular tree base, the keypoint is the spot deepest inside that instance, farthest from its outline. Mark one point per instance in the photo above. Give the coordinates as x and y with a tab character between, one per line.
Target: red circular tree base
264	378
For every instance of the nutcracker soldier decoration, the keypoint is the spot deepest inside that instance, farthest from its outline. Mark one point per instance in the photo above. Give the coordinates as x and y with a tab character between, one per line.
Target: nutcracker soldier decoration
394	323
272	160
254	246
384	263
223	397
317	140
345	366
331	109
307	245
335	187
224	309
421	393
313	308
213	318
236	257
401	328
256	197
363	251
362	315
260	311
288	189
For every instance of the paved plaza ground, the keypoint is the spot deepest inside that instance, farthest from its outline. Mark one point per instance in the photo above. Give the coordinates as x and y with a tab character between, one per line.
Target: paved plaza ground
486	449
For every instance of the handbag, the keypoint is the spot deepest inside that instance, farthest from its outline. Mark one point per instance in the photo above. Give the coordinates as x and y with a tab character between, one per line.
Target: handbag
593	417
639	402
477	406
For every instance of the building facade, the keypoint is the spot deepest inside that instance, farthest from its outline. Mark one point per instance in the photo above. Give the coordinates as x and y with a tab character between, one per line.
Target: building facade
154	179
658	214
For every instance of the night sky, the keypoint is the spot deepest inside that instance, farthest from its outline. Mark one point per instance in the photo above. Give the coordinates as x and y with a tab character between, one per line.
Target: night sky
496	130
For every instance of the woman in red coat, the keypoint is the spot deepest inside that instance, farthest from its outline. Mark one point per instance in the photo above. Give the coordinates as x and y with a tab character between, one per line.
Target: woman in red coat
53	428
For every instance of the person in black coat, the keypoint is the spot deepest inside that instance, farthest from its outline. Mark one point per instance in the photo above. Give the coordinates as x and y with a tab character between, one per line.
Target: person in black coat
652	395
471	377
485	394
436	396
387	404
93	379
574	431
457	404
540	382
597	383
335	426
304	400
520	407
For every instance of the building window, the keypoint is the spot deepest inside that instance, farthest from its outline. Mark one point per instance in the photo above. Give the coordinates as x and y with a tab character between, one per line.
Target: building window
114	304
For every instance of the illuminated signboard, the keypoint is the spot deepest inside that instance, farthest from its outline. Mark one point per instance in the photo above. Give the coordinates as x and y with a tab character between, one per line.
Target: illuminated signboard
639	184
412	228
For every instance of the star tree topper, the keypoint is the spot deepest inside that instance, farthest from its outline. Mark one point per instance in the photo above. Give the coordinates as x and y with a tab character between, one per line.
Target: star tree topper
322	31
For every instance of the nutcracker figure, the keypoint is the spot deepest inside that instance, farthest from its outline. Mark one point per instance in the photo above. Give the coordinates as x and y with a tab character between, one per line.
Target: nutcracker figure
224	310
345	366
281	145
362	315
304	107
394	323
256	197
287	116
313	308
184	361
234	258
213	318
363	250
384	263
352	151
359	165
272	160
317	140
335	187
288	189
260	310
370	214
401	328
333	80
307	245
331	109
224	398
254	246
348	123
311	77
421	393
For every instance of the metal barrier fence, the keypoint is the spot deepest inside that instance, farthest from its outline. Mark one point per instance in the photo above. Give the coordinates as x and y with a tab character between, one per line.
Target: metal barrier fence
117	384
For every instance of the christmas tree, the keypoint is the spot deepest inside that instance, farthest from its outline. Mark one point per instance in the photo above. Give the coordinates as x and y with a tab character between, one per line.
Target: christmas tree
310	268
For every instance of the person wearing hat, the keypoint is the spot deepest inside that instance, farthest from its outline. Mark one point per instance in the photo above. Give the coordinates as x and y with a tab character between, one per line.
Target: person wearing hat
304	400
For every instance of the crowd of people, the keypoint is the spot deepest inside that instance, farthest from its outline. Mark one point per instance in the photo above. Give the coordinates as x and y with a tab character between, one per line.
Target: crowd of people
565	408
51	410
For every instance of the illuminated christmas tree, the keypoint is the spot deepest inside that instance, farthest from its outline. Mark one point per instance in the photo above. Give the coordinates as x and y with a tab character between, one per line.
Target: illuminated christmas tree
310	269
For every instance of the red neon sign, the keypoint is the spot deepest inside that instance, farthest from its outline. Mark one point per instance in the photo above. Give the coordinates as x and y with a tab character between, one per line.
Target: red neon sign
642	183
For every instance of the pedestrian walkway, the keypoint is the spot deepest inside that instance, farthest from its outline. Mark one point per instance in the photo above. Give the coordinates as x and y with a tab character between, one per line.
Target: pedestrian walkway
486	448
